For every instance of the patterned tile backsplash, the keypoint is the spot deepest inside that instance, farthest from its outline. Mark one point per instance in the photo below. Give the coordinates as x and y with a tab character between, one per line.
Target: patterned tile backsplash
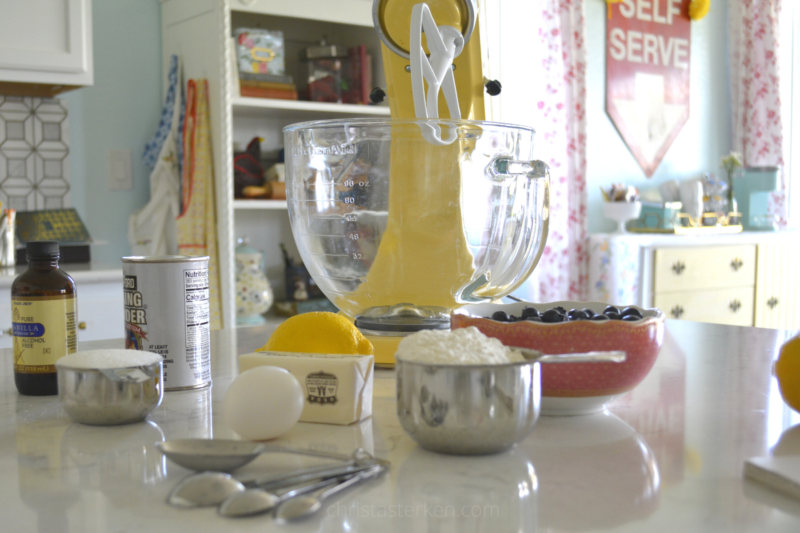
34	153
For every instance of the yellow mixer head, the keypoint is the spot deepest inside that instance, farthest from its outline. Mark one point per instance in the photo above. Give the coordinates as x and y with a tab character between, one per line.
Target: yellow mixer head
392	20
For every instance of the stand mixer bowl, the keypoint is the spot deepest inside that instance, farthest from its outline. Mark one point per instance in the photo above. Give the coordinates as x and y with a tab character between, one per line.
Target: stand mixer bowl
397	231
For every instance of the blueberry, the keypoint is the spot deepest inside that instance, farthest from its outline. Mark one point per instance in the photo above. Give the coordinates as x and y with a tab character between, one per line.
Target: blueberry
631	318
610	309
534	319
552	316
577	314
612	315
529	312
631	311
561	310
589	312
599	318
500	316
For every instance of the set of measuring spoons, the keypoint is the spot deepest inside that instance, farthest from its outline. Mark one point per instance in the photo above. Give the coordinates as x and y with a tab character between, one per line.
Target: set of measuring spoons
213	486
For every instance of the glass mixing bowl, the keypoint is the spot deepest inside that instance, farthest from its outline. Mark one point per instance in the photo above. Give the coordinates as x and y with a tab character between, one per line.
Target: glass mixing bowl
398	231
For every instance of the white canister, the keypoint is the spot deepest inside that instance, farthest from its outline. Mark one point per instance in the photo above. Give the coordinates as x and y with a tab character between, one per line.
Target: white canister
167	312
253	293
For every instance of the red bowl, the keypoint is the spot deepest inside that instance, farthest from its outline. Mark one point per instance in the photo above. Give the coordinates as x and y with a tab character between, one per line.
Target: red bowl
598	383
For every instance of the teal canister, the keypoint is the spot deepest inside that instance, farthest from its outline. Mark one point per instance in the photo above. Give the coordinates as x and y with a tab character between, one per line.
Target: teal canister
752	189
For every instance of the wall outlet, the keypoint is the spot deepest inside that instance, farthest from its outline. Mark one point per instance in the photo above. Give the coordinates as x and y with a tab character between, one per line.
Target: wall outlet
120	170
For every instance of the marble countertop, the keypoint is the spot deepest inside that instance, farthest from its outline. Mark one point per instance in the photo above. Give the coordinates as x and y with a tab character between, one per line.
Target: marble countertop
667	457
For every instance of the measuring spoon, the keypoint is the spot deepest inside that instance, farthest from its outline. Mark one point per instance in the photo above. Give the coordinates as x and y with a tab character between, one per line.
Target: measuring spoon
254	502
614	356
204	490
223	455
299	507
207	489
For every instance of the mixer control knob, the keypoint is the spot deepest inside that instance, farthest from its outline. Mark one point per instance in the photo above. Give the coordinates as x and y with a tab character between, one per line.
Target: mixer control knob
377	95
493	87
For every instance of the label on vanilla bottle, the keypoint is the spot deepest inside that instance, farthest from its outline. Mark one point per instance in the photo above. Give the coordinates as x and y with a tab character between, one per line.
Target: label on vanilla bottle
44	331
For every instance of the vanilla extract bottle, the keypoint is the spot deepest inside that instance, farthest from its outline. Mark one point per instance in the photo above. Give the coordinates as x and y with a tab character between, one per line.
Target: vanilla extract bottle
43	309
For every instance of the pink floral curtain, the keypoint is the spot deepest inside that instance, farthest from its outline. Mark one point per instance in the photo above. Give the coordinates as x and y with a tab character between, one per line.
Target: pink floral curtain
755	89
561	135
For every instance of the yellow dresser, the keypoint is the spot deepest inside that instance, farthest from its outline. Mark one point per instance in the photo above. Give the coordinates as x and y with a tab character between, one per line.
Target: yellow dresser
706	284
746	279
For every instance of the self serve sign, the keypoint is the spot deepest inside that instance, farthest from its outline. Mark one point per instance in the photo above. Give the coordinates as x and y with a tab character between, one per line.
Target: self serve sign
648	55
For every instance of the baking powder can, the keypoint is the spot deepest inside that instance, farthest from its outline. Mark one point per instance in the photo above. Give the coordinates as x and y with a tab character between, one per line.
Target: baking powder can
167	312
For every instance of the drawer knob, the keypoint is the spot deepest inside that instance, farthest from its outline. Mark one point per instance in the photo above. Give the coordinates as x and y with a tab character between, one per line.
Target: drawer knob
677	311
735	305
81	325
736	264
678	267
772	302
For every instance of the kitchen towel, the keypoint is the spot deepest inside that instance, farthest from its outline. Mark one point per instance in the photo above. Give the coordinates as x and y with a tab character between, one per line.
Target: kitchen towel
152	229
197	223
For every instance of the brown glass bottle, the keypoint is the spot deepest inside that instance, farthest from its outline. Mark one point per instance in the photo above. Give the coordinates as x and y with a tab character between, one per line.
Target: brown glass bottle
43	315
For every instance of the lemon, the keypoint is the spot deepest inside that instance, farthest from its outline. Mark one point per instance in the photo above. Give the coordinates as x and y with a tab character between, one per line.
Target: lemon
699	9
319	332
787	370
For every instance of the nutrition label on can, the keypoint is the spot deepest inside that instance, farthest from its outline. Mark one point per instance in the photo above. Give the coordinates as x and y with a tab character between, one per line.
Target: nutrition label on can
196	308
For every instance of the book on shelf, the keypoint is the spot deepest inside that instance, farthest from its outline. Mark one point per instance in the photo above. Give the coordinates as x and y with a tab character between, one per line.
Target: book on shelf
261	92
260	51
268	85
268	78
359	78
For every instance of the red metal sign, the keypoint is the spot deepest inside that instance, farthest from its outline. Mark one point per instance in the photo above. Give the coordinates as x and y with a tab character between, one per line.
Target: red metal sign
648	44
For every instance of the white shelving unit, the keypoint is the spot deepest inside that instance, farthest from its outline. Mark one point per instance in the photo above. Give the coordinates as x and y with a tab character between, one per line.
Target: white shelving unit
260	205
200	32
296	109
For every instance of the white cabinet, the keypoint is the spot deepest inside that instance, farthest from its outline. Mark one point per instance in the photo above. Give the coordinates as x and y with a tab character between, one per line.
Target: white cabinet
47	43
100	306
200	32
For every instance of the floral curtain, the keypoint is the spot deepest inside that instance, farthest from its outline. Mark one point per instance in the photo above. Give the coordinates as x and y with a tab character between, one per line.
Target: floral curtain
561	135
755	89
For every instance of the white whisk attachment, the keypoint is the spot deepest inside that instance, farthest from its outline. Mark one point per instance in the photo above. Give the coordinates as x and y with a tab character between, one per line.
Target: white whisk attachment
445	43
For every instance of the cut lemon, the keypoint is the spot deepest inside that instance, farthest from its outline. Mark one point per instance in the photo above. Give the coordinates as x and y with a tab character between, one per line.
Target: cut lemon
319	332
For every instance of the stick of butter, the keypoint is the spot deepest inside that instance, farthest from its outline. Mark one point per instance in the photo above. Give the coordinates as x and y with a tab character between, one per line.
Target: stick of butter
338	388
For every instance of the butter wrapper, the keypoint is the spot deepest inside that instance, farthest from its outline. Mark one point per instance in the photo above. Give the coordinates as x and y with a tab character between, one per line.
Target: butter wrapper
337	388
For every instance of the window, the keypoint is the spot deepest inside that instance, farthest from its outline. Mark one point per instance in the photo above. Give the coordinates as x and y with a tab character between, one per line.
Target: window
790	100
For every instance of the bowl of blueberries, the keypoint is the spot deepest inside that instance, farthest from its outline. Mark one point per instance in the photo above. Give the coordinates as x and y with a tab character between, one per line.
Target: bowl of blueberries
575	327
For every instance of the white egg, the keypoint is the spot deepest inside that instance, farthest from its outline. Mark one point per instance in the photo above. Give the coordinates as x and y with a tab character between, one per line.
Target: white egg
263	403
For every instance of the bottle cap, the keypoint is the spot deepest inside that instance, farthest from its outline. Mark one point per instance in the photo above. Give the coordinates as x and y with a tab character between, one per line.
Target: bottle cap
42	249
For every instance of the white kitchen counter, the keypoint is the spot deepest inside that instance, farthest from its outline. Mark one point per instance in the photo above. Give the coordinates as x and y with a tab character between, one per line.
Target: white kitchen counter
92	272
667	457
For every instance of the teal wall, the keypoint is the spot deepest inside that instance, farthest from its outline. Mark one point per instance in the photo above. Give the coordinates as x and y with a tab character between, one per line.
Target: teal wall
119	112
704	139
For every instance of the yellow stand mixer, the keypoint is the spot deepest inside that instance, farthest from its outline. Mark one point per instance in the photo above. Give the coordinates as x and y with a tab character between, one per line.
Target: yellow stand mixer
401	221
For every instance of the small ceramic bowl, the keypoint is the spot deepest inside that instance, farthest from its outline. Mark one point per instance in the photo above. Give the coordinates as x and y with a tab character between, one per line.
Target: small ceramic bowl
578	388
